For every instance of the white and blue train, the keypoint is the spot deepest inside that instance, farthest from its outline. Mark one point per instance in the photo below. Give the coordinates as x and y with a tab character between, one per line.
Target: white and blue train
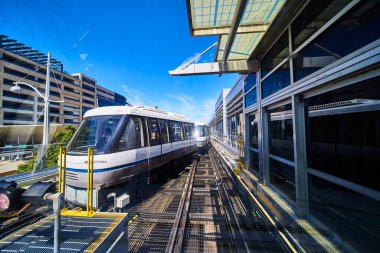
127	141
202	134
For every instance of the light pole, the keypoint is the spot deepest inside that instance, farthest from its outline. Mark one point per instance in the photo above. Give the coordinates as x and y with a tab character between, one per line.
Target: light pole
45	134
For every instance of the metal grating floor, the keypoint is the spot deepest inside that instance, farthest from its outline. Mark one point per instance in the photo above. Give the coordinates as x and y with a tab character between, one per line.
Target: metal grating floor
150	232
78	234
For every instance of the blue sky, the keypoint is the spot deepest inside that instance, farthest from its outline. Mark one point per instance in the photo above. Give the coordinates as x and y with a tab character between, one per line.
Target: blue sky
127	46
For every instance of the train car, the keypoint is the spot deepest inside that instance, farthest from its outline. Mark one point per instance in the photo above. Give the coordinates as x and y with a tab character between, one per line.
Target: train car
127	141
202	134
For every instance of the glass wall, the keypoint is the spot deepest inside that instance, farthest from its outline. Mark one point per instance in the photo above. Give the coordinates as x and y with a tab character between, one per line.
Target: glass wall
343	152
342	124
359	27
253	144
281	154
250	90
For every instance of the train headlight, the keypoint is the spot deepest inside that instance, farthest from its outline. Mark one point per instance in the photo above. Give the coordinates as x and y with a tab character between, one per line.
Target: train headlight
4	202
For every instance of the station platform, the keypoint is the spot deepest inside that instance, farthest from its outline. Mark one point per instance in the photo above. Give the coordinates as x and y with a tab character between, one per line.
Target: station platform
279	210
78	234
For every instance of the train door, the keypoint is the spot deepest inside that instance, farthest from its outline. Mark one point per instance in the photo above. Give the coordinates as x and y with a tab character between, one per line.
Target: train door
187	134
176	137
165	144
154	143
141	143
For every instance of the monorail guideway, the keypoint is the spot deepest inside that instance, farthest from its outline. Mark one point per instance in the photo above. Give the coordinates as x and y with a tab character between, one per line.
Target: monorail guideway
199	210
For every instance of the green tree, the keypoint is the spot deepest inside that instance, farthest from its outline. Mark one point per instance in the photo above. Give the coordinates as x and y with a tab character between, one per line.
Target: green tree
60	139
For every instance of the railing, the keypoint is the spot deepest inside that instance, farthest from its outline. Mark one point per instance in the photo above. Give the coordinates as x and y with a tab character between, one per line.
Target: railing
234	141
19	152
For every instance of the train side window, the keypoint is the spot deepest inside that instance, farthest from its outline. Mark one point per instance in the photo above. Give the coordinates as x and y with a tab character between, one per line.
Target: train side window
128	137
139	140
164	131
154	132
175	131
187	129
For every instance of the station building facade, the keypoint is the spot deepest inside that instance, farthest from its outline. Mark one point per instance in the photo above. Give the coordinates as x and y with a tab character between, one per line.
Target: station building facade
80	92
311	120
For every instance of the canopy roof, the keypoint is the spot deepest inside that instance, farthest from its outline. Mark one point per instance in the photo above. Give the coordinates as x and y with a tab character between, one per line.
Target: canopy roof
218	17
240	26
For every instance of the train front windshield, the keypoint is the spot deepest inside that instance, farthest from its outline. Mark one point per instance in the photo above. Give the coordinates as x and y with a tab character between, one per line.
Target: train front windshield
95	132
200	131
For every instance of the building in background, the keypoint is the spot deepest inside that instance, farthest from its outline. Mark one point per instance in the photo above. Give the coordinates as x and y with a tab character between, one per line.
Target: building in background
19	62
106	97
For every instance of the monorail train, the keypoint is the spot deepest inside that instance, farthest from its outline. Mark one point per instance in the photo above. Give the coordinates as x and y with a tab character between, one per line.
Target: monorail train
202	134
127	140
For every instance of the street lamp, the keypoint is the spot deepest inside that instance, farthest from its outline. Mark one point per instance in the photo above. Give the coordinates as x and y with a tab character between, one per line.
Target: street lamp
47	100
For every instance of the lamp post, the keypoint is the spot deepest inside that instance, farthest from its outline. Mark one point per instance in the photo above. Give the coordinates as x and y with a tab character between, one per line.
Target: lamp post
45	134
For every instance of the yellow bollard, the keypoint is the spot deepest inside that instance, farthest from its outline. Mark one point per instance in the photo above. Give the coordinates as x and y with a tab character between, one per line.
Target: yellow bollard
62	170
90	180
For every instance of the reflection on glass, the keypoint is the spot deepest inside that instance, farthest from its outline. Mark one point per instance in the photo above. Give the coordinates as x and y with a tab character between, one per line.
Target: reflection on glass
281	135
354	218
357	28
253	131
283	177
278	52
250	98
253	161
249	82
95	132
313	17
278	80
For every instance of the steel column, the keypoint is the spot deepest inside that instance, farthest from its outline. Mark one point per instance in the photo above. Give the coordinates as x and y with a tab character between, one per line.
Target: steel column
299	139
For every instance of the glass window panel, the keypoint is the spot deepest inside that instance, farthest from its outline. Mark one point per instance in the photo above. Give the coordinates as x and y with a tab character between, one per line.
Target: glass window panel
347	145
249	82
352	216
313	17
164	131
283	177
278	80
154	132
254	161
139	141
275	55
354	30
95	132
281	134
253	131
128	137
175	131
251	98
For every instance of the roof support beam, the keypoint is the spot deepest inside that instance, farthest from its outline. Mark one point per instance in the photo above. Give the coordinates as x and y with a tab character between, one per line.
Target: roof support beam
234	26
226	30
241	67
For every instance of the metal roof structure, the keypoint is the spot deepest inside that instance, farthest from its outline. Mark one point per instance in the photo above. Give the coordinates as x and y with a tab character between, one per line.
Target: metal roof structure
21	49
240	26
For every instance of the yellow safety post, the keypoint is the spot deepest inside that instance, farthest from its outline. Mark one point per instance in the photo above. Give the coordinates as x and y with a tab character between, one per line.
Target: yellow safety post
90	181
62	170
89	189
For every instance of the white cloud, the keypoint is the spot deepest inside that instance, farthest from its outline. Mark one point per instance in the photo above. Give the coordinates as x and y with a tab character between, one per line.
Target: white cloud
174	102
133	96
83	56
188	106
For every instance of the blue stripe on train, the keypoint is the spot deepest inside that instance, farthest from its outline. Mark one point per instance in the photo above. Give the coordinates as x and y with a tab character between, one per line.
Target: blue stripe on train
106	169
115	167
